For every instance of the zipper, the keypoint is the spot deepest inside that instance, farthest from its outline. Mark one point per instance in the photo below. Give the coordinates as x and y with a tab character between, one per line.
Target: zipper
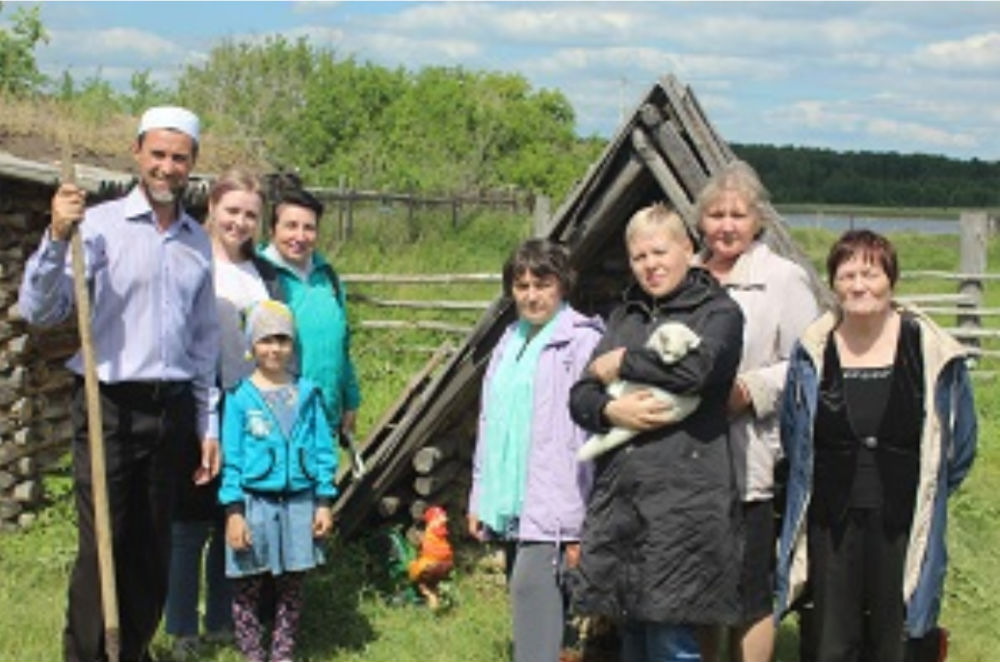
288	440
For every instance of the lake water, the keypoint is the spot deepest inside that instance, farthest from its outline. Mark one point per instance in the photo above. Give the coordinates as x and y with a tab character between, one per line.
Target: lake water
837	223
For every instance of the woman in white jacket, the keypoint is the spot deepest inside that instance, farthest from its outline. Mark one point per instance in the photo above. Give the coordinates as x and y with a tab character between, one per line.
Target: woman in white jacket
778	303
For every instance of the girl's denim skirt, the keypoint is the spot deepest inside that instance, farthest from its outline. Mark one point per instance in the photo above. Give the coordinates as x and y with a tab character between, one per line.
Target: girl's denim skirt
281	538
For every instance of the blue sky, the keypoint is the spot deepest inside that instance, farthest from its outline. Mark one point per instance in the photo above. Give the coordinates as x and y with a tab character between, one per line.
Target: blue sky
889	76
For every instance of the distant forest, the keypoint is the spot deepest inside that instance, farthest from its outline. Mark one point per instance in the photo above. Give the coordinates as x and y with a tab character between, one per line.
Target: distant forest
804	174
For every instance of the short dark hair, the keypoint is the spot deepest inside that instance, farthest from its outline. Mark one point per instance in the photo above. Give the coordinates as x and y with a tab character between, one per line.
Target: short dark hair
870	245
300	198
542	258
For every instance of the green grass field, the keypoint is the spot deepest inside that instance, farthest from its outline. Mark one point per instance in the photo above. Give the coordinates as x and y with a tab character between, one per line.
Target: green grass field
348	618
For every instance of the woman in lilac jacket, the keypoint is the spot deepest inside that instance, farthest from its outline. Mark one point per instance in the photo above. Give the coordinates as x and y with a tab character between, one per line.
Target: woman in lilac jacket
528	489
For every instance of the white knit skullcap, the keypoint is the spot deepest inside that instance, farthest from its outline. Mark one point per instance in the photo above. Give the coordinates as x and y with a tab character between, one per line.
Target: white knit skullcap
169	117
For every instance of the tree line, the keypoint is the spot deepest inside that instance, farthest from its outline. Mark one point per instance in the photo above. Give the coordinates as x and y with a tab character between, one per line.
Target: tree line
443	129
885	179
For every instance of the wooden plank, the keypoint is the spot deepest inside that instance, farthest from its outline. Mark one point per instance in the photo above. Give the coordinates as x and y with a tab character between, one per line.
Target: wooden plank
593	219
675	150
955	310
412	425
92	179
918	299
683	107
665	178
947	275
403	279
423	325
370	449
698	122
420	304
972	332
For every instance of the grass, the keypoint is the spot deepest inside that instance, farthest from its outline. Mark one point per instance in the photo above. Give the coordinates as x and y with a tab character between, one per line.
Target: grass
35	128
349	617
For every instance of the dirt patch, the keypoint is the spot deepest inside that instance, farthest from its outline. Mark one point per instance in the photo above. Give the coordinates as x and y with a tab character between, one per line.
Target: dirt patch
34	129
46	149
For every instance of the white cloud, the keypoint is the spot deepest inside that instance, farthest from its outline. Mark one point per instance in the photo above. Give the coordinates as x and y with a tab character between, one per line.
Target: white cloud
844	117
921	134
818	115
412	51
313	6
739	31
978	52
630	60
542	23
115	41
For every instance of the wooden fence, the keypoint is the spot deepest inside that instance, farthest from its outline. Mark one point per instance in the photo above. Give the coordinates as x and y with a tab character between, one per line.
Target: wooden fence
442	305
345	202
963	301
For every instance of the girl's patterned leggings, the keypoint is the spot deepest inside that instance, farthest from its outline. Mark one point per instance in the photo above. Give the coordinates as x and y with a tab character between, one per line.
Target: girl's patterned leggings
247	610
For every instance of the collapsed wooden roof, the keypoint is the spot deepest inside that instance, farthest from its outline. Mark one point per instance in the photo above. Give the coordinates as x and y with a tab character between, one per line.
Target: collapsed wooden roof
665	151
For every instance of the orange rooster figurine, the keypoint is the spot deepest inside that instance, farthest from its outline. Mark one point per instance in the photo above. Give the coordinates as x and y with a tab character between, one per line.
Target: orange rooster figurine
435	559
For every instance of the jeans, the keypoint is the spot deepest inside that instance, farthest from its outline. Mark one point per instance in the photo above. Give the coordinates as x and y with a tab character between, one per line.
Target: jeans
185	579
658	642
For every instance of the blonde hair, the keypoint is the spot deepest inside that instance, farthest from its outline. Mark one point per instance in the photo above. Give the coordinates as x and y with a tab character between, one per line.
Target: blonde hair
660	215
235	179
739	177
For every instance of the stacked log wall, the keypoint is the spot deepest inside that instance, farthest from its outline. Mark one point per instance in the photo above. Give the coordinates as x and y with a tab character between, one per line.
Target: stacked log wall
35	387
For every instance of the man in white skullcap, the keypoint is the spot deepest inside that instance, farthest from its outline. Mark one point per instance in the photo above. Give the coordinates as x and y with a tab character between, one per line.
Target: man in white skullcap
156	343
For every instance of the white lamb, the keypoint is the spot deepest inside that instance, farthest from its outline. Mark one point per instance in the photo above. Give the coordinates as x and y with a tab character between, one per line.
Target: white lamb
671	340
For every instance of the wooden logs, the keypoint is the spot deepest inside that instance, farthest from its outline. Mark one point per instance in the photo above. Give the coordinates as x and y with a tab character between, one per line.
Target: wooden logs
432	483
418	508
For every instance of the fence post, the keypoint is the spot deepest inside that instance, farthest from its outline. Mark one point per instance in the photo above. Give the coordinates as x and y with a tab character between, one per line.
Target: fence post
341	230
973	231
411	224
542	213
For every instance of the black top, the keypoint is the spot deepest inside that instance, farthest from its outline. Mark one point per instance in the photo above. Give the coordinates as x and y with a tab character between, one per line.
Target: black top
844	418
867	393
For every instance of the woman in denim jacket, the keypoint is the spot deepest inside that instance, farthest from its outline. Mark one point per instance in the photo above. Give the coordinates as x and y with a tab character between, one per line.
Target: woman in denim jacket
879	427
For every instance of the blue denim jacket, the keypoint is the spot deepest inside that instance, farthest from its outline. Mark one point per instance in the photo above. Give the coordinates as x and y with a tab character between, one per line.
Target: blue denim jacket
948	446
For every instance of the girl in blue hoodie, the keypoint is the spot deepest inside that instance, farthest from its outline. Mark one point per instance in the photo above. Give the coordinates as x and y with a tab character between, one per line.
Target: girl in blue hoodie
277	484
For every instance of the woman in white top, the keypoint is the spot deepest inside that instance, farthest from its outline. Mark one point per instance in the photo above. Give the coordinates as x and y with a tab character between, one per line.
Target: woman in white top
241	280
778	303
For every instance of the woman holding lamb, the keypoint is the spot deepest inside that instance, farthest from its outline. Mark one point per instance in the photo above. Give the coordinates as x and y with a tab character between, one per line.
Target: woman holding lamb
661	538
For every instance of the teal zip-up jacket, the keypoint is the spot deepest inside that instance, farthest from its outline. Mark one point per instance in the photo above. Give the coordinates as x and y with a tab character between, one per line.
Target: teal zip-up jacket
323	337
258	457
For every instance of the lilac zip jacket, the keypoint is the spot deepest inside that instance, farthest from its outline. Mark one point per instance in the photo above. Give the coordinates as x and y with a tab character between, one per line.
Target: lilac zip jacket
557	485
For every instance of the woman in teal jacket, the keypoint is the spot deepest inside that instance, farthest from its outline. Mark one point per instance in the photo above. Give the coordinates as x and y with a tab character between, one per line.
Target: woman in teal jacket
886	489
311	288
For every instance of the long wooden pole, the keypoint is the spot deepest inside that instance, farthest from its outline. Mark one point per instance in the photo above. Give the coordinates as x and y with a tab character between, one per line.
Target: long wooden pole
95	435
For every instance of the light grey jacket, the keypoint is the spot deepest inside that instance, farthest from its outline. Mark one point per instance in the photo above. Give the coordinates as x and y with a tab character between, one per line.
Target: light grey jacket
778	304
